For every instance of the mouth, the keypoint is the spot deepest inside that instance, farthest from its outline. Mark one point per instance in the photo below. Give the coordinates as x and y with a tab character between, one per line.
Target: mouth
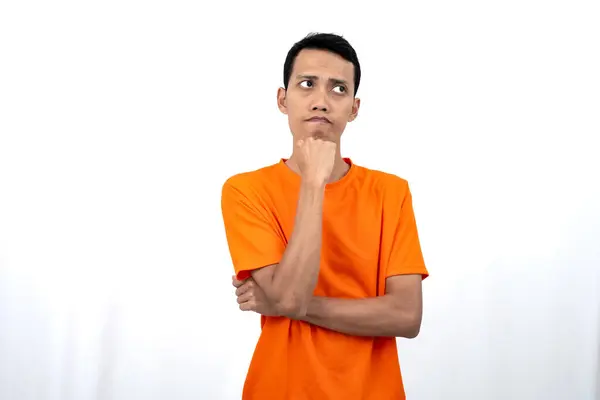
321	120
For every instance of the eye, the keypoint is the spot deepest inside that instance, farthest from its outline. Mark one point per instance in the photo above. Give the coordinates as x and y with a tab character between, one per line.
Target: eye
341	87
308	83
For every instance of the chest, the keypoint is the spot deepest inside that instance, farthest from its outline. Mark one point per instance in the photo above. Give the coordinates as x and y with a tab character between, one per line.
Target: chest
351	245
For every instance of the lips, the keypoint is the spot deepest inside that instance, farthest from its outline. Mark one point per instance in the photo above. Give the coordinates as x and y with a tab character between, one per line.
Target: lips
319	119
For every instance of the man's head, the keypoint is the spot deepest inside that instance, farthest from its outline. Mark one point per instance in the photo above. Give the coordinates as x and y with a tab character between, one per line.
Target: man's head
321	76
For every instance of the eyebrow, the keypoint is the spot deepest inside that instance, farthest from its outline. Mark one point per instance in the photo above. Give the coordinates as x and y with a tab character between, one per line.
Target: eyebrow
316	78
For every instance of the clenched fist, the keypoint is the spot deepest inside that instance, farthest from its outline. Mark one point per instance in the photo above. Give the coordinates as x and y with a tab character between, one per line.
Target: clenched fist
315	159
251	297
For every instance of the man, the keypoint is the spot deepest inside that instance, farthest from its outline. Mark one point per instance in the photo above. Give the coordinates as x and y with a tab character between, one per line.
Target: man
325	250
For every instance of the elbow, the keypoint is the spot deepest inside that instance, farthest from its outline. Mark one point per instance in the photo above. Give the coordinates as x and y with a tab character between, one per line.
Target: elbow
412	332
409	327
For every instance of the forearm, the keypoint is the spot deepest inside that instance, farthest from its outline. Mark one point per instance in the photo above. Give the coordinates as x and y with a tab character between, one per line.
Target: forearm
375	316
295	278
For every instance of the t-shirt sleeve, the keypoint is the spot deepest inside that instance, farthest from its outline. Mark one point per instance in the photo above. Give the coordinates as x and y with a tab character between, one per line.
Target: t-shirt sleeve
253	238
405	256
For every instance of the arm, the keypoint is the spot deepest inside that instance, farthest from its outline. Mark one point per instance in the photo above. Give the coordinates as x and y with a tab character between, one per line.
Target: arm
397	313
286	272
290	284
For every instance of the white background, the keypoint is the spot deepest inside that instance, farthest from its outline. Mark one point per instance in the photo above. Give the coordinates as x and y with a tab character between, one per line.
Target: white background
120	120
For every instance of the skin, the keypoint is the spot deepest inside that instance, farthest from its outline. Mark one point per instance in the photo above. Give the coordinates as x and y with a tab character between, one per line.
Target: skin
322	85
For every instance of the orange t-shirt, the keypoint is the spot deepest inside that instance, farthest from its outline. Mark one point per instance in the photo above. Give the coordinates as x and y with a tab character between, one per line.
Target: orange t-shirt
369	234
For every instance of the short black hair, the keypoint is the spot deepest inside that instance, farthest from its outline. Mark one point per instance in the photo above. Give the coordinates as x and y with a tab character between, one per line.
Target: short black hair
322	41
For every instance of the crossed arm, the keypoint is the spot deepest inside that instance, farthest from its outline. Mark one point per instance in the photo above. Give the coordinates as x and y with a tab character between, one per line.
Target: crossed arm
395	314
286	289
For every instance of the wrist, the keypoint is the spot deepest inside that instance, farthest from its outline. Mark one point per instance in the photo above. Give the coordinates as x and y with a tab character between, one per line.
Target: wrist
313	306
313	185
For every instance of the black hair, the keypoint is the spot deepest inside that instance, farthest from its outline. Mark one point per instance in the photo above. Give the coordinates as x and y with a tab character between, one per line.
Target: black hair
322	41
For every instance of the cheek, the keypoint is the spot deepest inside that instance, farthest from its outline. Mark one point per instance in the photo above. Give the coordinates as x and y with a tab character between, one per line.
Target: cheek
294	101
343	114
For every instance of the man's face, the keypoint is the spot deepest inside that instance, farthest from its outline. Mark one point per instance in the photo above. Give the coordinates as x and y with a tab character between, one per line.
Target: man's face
320	98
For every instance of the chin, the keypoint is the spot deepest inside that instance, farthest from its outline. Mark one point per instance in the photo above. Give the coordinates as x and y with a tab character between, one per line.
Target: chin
318	134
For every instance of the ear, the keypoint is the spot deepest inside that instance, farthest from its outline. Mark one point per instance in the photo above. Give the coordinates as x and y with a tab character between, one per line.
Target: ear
355	108
281	100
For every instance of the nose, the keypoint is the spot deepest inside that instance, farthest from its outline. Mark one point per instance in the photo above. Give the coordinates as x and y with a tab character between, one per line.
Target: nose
319	101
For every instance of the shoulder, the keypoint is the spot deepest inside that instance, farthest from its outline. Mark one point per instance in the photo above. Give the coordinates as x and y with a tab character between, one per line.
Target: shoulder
390	190
250	182
383	182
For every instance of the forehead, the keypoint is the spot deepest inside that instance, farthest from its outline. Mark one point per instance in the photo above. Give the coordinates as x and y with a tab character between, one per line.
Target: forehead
324	64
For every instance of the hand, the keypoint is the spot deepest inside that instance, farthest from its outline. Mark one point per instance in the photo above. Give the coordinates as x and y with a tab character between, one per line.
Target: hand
315	159
251	297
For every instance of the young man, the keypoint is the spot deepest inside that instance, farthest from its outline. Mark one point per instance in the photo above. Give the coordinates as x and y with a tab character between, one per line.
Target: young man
325	250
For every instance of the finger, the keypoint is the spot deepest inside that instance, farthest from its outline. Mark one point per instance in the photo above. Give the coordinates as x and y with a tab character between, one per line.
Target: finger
247	306
236	282
245	297
248	285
